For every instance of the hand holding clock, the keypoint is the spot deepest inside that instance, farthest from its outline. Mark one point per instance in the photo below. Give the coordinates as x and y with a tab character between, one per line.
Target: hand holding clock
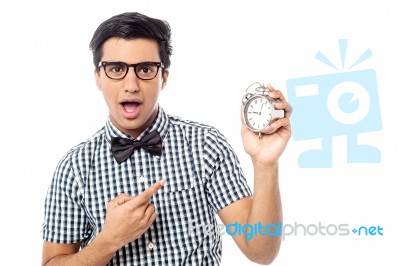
267	148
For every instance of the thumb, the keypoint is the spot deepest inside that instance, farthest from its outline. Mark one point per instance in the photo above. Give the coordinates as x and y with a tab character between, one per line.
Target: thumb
121	199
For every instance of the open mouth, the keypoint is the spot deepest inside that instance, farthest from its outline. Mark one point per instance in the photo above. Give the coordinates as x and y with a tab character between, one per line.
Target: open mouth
131	106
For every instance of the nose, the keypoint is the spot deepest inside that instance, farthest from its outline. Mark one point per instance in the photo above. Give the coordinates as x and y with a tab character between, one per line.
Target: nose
131	83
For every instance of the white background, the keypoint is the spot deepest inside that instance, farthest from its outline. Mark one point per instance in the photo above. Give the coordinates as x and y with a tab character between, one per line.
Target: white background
49	102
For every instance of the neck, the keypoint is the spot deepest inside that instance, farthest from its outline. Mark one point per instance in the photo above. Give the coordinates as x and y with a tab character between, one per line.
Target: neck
135	132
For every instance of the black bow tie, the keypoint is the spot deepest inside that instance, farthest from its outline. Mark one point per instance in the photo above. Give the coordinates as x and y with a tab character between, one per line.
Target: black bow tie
122	148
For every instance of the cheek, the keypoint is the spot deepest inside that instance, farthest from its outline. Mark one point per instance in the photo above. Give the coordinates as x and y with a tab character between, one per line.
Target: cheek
109	96
155	95
151	93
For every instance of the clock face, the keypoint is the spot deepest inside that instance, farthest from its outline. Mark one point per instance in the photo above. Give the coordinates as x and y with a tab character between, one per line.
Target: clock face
258	113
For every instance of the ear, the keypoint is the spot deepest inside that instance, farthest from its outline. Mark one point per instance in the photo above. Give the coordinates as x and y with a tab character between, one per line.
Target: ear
97	78
165	78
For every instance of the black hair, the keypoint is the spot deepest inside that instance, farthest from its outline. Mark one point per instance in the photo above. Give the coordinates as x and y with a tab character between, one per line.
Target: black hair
131	26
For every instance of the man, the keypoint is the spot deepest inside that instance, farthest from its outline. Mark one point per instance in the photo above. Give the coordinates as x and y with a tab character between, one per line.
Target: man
129	194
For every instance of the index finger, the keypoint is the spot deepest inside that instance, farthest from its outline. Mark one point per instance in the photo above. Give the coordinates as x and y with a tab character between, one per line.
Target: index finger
150	191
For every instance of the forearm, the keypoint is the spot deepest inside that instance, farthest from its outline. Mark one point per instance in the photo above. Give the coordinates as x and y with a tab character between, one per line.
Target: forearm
266	209
98	252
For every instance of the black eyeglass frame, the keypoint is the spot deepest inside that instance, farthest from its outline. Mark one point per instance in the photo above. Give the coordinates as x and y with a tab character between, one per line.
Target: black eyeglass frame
104	64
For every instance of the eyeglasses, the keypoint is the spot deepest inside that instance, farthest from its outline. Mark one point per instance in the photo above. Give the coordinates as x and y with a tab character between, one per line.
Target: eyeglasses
119	70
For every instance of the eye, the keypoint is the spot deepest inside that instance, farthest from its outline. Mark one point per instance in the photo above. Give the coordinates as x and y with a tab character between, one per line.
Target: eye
116	68
146	68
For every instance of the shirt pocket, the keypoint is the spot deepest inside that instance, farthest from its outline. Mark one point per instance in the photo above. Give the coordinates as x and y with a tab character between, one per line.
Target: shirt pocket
179	173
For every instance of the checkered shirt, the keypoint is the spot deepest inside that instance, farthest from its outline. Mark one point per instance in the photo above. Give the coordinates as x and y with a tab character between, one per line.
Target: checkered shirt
202	175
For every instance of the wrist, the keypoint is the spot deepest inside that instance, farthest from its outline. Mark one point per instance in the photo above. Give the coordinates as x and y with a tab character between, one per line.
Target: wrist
265	172
264	166
109	243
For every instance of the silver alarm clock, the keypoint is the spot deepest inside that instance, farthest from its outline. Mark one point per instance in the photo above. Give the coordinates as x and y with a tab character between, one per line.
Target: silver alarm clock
258	109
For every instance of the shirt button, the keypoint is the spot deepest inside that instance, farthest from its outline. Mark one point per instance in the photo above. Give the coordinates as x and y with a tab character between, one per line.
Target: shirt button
142	179
150	245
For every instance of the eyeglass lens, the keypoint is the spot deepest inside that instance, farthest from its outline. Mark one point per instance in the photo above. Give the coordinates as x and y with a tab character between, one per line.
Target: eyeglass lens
118	70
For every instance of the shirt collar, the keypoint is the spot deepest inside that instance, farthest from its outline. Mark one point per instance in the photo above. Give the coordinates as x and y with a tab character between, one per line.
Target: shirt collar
160	124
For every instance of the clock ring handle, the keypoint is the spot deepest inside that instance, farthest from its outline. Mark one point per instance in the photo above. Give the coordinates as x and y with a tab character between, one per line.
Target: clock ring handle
258	88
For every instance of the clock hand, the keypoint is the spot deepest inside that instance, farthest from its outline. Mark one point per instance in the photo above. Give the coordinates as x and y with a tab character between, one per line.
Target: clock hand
261	108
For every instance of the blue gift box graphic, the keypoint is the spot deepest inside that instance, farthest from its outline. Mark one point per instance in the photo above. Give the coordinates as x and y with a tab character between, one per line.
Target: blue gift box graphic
344	103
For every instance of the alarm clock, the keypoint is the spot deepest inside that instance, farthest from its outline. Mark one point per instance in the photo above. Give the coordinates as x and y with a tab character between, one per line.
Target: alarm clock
258	109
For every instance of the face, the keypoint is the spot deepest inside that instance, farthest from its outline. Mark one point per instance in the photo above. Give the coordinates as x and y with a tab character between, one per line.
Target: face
132	102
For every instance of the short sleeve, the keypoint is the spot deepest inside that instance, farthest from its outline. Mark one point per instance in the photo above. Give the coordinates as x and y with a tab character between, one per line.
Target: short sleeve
64	215
225	180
